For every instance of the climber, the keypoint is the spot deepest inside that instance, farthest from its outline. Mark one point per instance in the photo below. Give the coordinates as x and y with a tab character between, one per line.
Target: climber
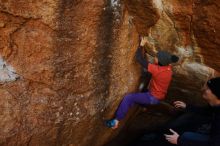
161	72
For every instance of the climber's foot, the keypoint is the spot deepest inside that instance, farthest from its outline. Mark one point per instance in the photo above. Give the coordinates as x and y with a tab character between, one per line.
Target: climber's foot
112	123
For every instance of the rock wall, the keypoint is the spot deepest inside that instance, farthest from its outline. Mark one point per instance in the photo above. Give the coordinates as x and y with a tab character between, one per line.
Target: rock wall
65	65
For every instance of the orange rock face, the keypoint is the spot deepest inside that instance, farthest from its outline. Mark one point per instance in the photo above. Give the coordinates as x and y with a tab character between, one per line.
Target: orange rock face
66	65
63	66
206	29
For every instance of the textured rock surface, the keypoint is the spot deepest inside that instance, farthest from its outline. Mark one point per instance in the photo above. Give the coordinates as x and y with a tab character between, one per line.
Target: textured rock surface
206	29
65	65
74	60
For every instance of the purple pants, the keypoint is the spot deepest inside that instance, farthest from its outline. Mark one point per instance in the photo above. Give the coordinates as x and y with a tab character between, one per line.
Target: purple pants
134	98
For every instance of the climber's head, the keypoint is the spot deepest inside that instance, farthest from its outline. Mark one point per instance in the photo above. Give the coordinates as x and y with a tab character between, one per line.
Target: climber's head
165	58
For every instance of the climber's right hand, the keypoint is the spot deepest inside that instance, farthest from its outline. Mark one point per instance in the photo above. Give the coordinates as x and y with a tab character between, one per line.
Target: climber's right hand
143	41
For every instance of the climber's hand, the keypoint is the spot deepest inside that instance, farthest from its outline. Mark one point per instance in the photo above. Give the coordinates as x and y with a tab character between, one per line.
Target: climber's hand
143	41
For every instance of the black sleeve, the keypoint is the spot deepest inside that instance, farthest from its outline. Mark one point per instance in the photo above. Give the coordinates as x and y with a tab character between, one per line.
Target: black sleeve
184	141
199	109
215	131
215	141
139	57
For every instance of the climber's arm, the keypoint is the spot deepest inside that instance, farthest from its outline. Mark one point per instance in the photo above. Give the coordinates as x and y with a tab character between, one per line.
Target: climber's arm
140	58
140	53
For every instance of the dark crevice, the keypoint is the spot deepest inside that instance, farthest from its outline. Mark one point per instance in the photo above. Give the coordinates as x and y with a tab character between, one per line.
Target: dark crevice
64	27
104	48
105	38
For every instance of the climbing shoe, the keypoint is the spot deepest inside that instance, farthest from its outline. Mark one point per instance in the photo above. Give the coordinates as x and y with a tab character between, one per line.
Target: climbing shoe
112	123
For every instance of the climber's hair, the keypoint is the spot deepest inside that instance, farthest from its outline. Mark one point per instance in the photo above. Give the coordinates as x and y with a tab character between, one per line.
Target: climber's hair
174	58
